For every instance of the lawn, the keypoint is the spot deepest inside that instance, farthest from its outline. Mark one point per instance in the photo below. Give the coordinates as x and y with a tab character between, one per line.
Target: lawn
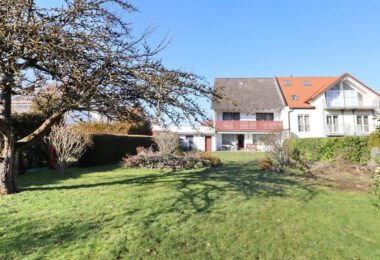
231	212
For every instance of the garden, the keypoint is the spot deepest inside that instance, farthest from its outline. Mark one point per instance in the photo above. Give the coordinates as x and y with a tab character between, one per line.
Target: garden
234	210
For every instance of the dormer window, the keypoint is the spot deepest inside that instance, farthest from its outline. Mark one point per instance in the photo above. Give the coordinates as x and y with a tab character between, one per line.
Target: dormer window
294	98
287	82
306	83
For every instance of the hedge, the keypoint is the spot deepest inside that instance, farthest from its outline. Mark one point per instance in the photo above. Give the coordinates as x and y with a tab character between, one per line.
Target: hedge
373	140
109	149
353	149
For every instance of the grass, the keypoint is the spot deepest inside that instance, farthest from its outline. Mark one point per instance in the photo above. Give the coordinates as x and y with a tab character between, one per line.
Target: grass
231	212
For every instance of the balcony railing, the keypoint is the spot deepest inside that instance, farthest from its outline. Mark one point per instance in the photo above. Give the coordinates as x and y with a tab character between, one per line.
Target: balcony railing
354	102
340	129
242	125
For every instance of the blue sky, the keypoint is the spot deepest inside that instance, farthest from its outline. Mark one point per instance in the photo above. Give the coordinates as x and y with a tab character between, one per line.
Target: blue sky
243	38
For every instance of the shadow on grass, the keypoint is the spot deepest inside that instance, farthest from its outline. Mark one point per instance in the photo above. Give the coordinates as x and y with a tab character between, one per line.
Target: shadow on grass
196	192
51	177
200	188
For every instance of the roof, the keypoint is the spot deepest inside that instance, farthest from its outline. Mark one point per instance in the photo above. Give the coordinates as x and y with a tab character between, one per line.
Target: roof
247	94
301	92
304	94
323	89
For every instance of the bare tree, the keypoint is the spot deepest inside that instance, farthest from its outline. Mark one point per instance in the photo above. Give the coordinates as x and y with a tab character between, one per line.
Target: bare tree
167	142
97	63
277	147
68	143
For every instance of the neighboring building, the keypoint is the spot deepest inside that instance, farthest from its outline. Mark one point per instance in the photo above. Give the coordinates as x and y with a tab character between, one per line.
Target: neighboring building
201	138
24	104
329	106
249	109
303	106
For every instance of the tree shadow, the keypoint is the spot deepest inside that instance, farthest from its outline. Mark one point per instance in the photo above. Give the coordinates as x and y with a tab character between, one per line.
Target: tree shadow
200	188
197	192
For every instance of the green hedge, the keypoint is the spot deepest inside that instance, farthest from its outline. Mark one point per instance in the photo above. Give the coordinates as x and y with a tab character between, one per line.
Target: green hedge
353	149
109	149
373	140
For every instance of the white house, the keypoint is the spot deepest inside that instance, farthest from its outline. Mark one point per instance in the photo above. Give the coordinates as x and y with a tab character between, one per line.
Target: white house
200	138
249	108
304	106
329	106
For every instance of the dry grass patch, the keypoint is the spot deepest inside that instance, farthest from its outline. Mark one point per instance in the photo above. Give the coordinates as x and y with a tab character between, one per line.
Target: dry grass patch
342	175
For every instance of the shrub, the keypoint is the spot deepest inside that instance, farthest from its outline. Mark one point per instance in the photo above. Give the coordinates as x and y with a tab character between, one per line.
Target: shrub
167	142
206	156
353	149
278	148
68	143
116	128
265	164
373	140
161	161
109	149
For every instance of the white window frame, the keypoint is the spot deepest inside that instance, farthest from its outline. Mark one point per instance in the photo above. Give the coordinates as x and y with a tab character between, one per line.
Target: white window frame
305	124
364	128
333	125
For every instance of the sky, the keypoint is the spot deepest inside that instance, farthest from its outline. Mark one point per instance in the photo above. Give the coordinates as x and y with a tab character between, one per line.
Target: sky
265	38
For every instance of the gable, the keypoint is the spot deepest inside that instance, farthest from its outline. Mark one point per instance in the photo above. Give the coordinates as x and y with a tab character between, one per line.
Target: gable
349	82
297	90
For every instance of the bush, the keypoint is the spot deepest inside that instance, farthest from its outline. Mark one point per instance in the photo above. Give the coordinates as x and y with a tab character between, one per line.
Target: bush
167	142
109	149
161	161
117	128
373	140
206	156
353	149
265	164
69	144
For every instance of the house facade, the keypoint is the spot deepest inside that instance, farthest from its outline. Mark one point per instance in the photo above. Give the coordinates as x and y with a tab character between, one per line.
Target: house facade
200	138
249	109
304	107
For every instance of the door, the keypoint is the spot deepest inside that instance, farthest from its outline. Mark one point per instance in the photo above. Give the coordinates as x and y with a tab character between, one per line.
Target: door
208	143
241	142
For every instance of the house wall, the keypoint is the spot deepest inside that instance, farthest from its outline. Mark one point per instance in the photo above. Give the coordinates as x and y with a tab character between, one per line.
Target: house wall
317	115
319	112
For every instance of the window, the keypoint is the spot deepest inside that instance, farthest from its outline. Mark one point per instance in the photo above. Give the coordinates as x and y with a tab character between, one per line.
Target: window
294	98
287	82
231	116
189	139
306	83
303	123
362	124
189	144
332	124
264	116
228	139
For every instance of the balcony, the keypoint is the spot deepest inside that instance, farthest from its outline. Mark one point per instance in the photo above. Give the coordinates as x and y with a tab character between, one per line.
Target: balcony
236	126
350	130
363	103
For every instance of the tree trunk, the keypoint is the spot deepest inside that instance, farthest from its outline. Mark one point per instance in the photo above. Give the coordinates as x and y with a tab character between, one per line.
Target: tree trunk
7	162
8	168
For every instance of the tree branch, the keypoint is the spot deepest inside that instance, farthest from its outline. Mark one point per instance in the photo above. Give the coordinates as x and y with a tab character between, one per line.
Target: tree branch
40	130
